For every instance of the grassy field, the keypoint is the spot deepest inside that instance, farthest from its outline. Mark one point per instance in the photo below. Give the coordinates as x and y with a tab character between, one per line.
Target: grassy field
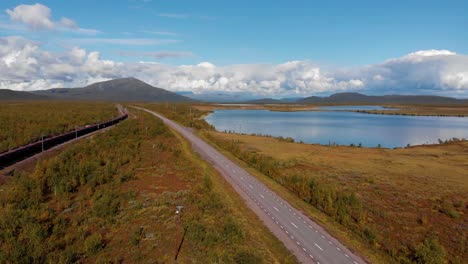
422	110
112	198
22	123
405	205
372	199
415	110
271	107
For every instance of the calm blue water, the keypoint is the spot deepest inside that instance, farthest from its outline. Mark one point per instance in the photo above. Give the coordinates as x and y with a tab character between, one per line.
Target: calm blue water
343	128
354	107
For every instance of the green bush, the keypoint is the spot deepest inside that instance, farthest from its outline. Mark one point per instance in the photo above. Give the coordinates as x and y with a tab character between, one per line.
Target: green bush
429	252
448	210
370	234
245	257
137	235
106	204
93	244
232	232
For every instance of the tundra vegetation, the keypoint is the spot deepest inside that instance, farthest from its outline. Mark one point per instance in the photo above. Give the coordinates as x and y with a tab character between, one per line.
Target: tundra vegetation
422	110
409	204
23	123
112	198
411	110
405	205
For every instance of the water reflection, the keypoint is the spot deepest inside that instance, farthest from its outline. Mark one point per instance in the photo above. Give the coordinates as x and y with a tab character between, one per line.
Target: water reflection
343	128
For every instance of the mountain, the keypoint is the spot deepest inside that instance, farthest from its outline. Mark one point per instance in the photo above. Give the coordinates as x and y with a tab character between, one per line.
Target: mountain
10	95
291	99
275	101
125	89
357	98
265	101
220	97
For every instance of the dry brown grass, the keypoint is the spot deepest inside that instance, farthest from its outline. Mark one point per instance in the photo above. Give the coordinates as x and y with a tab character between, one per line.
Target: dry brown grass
129	216
410	193
417	110
461	110
272	107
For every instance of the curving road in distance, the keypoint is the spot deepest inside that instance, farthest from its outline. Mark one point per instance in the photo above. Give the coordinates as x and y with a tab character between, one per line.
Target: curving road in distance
309	242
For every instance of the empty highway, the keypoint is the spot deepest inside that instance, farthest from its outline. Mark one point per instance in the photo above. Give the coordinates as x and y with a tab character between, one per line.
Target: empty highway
309	242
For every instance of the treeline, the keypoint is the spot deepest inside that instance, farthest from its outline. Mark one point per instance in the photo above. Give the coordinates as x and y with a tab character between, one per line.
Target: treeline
342	205
23	123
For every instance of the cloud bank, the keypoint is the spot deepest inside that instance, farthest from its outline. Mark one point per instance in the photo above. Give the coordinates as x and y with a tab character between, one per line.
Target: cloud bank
25	65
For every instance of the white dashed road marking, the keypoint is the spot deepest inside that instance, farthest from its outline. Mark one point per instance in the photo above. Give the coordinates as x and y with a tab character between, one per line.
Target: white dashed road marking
236	175
318	246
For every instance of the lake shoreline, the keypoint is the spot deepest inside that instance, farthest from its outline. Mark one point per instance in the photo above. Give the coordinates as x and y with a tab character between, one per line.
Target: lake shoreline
344	128
404	110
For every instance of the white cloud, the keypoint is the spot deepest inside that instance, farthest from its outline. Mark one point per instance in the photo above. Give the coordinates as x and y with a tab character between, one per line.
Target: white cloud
66	22
164	33
39	17
432	52
123	41
36	16
157	54
24	65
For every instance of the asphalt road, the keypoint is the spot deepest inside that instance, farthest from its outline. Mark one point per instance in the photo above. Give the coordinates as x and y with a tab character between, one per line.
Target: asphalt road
309	242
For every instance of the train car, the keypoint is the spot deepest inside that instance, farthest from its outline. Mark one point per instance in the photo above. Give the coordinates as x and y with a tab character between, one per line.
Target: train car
10	157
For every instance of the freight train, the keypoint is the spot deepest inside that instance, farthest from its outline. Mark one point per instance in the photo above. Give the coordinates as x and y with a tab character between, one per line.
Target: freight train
13	156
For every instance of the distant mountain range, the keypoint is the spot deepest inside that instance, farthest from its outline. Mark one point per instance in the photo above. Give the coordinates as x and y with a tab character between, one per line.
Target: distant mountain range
134	90
9	95
357	98
274	101
125	89
219	97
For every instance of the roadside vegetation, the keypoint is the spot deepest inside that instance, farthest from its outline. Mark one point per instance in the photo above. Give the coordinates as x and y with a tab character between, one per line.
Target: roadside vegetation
112	198
408	204
23	123
185	114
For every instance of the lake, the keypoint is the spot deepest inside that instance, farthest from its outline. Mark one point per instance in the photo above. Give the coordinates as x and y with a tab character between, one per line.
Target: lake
343	128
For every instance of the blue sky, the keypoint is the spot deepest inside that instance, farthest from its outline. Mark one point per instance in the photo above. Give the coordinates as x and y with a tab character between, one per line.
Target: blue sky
326	34
231	32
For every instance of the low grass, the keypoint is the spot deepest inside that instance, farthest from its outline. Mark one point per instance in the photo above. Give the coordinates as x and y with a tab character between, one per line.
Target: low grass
405	205
273	251
23	123
272	107
414	110
420	110
112	198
